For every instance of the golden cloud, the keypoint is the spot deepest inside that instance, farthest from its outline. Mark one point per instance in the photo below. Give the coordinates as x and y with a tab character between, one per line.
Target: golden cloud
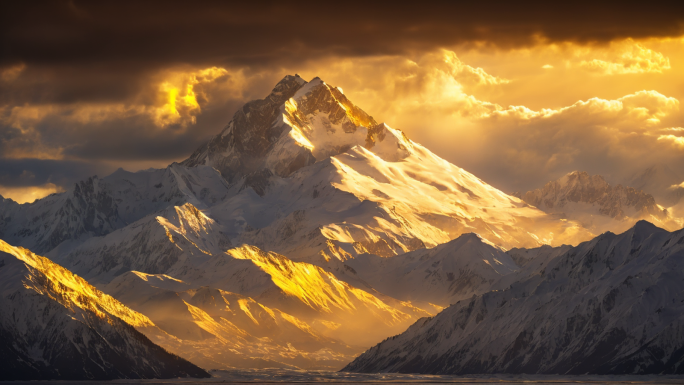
639	110
608	136
171	98
628	57
29	194
436	83
674	140
181	94
179	97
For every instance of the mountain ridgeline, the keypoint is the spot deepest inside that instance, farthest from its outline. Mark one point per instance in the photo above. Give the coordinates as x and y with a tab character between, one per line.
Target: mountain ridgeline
306	232
612	305
54	325
598	205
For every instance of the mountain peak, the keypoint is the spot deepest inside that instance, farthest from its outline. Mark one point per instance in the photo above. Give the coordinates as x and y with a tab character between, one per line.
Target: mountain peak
580	188
645	227
297	124
582	178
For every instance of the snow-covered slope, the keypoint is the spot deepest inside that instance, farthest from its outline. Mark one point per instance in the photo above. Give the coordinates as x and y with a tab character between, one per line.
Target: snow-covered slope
219	329
597	205
320	179
183	243
334	307
442	275
357	202
173	241
54	325
97	206
614	304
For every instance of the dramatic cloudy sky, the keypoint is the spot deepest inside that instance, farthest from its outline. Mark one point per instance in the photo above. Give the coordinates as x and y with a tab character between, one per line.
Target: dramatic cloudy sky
518	95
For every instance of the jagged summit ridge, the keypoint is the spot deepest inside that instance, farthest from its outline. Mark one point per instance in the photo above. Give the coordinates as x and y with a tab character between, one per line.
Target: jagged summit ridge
98	206
580	187
598	205
296	125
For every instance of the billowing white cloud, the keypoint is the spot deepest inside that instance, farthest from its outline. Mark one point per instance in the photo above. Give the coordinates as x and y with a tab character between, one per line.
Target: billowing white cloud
610	137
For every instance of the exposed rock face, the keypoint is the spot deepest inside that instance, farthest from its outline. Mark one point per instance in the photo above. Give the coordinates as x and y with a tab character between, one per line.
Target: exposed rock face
54	325
579	187
86	209
612	305
240	147
298	124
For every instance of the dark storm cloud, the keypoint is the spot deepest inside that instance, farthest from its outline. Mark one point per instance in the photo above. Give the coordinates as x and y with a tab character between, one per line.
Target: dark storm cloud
160	32
73	83
138	139
118	138
101	51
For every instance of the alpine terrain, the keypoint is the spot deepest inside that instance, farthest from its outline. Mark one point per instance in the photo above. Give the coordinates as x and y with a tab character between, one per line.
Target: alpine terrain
612	305
54	325
305	232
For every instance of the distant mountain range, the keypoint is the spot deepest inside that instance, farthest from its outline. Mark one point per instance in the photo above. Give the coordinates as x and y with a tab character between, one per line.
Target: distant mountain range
599	206
302	234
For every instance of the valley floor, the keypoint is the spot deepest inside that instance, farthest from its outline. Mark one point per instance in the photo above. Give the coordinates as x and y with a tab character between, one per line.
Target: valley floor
320	377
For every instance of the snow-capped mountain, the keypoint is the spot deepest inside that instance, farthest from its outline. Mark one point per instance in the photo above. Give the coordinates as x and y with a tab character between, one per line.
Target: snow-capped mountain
298	124
611	305
271	214
320	179
54	325
96	207
442	275
183	243
597	205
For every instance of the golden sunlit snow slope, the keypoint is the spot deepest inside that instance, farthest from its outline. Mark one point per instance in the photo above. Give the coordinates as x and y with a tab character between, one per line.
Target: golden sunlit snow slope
55	325
70	290
218	329
359	314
